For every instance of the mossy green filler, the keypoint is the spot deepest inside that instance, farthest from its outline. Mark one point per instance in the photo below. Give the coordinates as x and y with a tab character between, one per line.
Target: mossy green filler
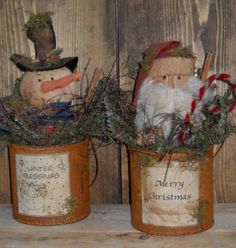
38	20
71	204
200	211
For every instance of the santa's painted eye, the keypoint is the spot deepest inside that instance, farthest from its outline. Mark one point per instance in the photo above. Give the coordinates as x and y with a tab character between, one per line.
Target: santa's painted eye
179	77
52	78
39	80
164	77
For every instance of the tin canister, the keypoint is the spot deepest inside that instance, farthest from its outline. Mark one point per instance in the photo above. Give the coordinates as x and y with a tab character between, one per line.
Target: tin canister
50	185
171	195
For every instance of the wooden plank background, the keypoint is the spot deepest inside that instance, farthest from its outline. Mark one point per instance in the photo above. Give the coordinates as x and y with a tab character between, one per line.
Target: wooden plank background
119	31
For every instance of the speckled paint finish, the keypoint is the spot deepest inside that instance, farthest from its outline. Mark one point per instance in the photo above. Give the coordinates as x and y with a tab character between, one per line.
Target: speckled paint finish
43	184
170	201
50	185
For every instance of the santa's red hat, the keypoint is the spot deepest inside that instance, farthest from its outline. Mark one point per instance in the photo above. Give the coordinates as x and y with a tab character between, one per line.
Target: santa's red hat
155	51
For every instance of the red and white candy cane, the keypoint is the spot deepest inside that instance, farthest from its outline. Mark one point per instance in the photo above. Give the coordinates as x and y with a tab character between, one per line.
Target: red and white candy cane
202	90
221	76
201	93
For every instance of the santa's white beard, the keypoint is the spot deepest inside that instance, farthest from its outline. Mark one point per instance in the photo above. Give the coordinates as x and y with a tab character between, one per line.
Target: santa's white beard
156	100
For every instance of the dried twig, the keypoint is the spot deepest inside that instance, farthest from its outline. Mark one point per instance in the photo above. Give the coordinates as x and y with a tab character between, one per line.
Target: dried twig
90	92
85	69
206	66
92	86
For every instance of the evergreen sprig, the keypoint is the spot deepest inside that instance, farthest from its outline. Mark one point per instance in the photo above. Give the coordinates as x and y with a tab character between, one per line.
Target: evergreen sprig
109	118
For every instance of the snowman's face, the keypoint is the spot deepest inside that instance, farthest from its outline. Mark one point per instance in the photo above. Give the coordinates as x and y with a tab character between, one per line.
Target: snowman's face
31	82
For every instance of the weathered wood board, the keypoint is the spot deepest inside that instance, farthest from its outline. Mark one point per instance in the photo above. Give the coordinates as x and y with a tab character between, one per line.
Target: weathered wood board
110	226
120	30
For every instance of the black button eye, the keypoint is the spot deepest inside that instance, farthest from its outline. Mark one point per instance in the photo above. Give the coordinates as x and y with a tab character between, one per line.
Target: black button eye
39	80
52	78
164	77
179	77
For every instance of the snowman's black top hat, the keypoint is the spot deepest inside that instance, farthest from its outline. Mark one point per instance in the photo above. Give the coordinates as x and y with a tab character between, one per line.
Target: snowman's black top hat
39	30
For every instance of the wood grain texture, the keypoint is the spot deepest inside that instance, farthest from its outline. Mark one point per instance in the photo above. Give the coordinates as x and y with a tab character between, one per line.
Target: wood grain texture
107	187
83	28
5	195
225	161
110	226
125	175
206	26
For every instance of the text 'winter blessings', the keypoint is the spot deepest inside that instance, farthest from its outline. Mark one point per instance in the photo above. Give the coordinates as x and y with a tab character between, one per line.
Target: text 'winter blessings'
41	172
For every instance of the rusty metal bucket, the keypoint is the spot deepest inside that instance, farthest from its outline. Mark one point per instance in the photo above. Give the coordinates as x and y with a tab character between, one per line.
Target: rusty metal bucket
173	196
50	185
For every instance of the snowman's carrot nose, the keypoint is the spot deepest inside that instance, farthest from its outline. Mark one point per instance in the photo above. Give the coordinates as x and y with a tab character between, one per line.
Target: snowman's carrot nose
47	86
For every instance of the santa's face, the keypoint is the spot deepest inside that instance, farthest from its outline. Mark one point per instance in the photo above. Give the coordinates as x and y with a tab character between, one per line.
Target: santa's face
172	81
44	87
156	100
172	71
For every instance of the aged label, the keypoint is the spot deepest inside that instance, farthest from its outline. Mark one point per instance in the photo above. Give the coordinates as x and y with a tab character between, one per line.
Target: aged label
43	184
171	200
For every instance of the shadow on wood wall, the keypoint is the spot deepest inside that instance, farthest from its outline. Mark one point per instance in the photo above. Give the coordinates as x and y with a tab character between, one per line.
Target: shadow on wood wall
120	30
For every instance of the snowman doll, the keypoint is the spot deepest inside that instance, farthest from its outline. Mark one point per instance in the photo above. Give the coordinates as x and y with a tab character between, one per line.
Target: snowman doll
48	82
165	85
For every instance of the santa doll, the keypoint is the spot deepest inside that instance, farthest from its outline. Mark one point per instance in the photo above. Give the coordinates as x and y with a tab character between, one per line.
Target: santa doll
166	84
